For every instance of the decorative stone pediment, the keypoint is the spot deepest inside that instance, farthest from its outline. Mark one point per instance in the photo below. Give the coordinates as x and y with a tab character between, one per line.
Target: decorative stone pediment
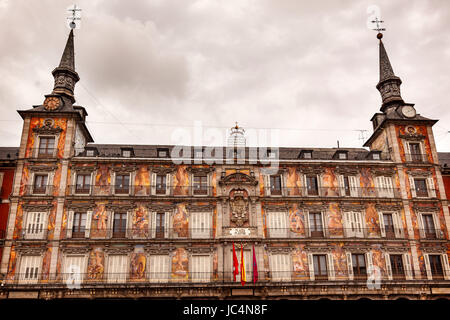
85	205
34	251
83	169
120	206
358	248
314	207
433	207
388	207
352	207
387	172
75	250
37	206
124	168
416	173
200	170
116	250
47	128
412	136
396	249
272	249
161	207
434	249
162	170
317	249
351	171
311	170
276	208
238	178
200	208
194	250
43	168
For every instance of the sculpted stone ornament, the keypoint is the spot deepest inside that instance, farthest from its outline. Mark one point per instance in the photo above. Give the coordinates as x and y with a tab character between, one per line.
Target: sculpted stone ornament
239	207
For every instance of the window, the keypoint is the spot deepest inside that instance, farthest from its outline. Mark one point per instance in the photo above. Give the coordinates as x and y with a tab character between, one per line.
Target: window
275	184
200	224
307	155
376	156
160	223
354	224
83	183
159	268
200	185
29	269
385	188
160	184
163	153
117	268
278	225
359	266
271	154
79	225
312	186
415	151
349	186
280	267
316	225
421	187
436	266
388	225
40	184
74	268
398	270
342	155
122	185
89	152
428	226
126	153
119	225
200	268
198	154
35	226
46	146
320	267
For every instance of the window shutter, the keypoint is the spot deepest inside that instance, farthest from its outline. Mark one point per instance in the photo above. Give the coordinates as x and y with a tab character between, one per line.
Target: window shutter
307	226
389	187
379	186
412	186
437	226
73	183
168	183
349	266
446	266
407	151
382	229
324	225
427	266
398	224
345	223
70	224
50	185
319	184
282	177
420	223
430	186
359	224
166	224
153	184
351	223
128	224
304	192
354	188
407	266
342	185
387	259
91	183
44	226
267	185
311	266
87	231
331	273
113	189
110	215
369	262
153	225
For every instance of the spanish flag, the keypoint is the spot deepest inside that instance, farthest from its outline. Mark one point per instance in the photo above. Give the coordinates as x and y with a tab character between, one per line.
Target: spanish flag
235	264
243	277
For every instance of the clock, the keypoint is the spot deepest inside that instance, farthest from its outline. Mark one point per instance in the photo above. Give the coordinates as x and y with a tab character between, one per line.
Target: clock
52	103
409	111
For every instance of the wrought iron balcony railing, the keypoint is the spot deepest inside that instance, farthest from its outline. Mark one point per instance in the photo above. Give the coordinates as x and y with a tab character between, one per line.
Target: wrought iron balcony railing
43	153
46	190
334	192
158	233
144	277
327	233
139	190
34	232
416	157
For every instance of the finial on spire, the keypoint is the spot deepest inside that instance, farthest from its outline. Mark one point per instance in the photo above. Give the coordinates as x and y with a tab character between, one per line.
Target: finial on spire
378	28
75	15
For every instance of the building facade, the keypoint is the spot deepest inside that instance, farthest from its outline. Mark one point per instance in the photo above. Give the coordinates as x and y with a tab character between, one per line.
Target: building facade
124	221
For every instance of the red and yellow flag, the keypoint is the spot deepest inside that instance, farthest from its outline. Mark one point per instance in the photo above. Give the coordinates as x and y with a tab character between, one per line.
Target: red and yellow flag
243	277
235	264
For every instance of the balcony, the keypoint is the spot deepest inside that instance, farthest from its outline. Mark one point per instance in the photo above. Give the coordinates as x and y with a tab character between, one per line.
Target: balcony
34	233
138	191
159	233
31	190
334	192
416	157
329	233
44	153
431	234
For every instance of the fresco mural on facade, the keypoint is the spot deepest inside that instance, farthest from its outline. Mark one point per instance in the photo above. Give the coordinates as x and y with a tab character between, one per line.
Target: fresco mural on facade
19	222
378	259
99	221
34	122
339	261
366	183
56	181
261	185
263	215
181	181
215	266
214	183
46	265
372	221
137	266
300	263
330	183
62	123
58	266
423	270
96	264
214	221
296	220
266	265
142	181
102	180
181	221
180	264
63	224
51	221
419	130
12	263
140	222
24	180
335	226
293	182
39	122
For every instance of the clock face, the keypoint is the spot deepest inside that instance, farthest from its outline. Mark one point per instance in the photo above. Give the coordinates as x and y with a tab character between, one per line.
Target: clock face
52	103
408	111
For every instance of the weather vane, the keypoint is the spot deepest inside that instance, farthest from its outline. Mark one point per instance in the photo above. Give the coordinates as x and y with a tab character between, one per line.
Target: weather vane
75	15
378	28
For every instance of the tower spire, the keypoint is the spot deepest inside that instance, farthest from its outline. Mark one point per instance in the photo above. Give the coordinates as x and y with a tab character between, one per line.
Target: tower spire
65	74
389	84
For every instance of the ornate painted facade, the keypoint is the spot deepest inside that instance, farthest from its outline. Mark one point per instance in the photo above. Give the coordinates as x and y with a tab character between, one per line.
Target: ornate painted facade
99	221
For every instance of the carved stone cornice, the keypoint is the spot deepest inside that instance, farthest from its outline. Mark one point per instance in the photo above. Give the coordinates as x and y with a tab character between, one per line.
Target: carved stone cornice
434	249
352	207
162	170
412	137
388	207
200	208
311	170
434	207
161	207
416	173
159	249
275	207
204	170
124	168
43	168
317	249
73	205
120	206
37	207
118	250
387	172
75	250
351	171
47	128
360	248
272	249
392	249
82	169
26	250
194	250
238	178
314	207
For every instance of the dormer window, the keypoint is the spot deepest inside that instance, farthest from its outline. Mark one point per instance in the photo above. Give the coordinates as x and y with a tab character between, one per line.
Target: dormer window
305	154
163	153
199	154
341	155
376	156
271	154
127	153
89	152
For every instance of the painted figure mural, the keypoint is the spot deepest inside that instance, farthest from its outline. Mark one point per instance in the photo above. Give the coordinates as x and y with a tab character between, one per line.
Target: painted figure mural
46	264
103	180
181	181
330	183
137	266
366	183
142	181
293	183
335	227
99	221
96	264
300	263
180	221
180	264
340	261
296	220
372	221
140	222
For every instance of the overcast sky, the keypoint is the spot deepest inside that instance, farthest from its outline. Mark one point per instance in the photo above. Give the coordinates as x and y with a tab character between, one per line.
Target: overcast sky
147	68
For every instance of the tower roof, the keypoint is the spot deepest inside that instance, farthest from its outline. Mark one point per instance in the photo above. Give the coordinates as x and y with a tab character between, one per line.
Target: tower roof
386	71
68	56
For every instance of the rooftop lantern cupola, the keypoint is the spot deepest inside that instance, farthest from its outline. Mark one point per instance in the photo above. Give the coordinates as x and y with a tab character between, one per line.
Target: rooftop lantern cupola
237	137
